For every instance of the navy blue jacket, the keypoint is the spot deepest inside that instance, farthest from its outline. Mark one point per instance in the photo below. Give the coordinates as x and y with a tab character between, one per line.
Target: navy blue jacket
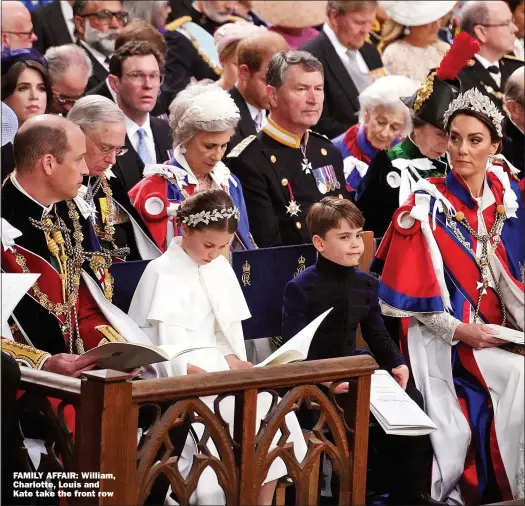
353	295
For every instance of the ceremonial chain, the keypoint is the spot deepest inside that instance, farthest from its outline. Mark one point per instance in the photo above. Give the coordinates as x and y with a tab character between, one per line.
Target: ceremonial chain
487	251
109	227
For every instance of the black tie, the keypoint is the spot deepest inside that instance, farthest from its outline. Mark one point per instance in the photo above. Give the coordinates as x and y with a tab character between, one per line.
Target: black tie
493	69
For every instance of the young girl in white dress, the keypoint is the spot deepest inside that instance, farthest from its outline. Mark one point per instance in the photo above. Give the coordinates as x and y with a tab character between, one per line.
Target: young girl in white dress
191	295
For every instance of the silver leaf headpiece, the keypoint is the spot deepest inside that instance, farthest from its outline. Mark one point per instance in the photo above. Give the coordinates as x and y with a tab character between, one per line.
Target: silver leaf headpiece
474	100
215	215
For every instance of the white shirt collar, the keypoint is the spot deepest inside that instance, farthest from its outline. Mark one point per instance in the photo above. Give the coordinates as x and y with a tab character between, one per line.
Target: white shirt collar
254	111
132	127
67	13
101	58
485	62
18	186
111	92
332	37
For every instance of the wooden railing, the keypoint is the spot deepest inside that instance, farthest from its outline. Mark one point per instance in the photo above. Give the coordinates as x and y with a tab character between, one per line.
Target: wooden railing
109	409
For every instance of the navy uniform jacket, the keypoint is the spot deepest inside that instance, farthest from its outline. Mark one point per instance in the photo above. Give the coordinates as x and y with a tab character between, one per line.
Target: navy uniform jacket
353	295
269	167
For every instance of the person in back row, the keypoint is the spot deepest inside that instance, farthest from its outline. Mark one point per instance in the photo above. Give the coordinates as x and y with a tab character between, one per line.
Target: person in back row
287	167
202	119
398	465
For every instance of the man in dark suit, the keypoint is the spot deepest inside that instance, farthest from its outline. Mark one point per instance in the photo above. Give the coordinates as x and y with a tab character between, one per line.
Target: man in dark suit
492	25
350	64
54	25
136	72
514	123
249	93
97	26
287	167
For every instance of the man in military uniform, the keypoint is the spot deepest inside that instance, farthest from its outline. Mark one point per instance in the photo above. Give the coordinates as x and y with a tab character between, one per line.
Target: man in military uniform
287	167
65	310
492	25
191	49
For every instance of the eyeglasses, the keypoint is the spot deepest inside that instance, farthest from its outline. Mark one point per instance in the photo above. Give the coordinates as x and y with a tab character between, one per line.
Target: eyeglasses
140	78
506	24
66	100
106	150
20	34
106	16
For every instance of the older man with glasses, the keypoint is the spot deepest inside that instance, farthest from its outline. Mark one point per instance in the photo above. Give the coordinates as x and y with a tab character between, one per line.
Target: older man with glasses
136	73
69	71
97	26
491	23
17	27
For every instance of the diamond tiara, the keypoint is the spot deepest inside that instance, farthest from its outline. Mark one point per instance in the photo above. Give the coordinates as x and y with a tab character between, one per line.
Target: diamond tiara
474	100
215	215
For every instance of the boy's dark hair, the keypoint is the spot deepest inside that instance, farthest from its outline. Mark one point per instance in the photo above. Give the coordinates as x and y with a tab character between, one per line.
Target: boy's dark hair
133	48
207	201
325	215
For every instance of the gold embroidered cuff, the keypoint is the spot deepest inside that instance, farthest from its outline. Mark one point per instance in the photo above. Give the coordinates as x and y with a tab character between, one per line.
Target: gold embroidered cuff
110	335
24	354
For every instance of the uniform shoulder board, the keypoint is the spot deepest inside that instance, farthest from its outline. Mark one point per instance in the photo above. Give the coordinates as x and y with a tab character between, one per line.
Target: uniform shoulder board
317	134
177	23
239	148
512	57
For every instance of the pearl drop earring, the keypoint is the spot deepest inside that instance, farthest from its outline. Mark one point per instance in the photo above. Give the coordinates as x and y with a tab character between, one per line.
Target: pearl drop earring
406	31
183	149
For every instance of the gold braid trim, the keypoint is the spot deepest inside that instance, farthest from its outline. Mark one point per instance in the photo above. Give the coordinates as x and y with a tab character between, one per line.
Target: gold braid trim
424	91
202	54
24	354
110	335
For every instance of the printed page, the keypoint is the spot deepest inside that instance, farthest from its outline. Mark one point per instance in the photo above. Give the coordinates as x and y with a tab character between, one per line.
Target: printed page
297	347
394	407
14	287
506	334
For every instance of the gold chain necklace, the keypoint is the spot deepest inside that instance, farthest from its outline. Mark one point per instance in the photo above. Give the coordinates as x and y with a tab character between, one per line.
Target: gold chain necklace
487	251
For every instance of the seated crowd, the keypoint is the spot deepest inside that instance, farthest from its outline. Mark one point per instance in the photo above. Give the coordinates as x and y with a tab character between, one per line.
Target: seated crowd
182	133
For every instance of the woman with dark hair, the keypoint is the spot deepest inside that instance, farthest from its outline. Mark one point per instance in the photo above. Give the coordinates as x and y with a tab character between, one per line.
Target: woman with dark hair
26	88
205	313
460	238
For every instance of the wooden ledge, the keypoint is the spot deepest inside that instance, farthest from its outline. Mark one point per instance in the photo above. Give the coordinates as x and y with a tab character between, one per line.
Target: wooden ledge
49	383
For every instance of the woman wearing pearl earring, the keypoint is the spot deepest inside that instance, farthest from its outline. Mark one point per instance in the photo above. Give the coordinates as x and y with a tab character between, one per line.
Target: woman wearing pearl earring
202	121
460	240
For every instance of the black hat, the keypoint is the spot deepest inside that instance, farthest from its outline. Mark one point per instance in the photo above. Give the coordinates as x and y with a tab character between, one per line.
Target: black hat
442	85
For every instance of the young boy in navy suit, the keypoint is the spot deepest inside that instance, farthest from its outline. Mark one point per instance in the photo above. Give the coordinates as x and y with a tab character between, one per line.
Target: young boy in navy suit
398	465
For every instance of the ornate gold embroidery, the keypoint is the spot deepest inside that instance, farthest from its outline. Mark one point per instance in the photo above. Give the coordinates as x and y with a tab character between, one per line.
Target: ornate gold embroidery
301	265
424	91
24	354
246	274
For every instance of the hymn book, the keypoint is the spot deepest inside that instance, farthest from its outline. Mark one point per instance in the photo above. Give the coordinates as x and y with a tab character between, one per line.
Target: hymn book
506	334
296	349
394	410
121	356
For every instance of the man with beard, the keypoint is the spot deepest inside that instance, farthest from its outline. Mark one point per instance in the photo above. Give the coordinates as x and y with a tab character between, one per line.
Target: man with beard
97	26
192	54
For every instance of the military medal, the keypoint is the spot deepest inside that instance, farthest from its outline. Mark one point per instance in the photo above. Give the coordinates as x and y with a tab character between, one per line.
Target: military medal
306	165
293	208
323	185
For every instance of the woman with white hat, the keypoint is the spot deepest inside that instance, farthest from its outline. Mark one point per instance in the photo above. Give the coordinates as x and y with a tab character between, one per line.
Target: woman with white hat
409	38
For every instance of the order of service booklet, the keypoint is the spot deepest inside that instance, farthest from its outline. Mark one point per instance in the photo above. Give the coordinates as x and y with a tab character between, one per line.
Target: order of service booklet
506	334
395	411
296	349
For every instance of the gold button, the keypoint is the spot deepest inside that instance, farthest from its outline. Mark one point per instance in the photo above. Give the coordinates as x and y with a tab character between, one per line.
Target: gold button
500	209
298	225
273	158
460	216
284	182
324	152
340	196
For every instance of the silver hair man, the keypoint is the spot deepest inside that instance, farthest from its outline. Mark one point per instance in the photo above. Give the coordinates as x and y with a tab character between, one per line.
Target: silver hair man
153	12
284	60
514	102
202	107
69	71
104	126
